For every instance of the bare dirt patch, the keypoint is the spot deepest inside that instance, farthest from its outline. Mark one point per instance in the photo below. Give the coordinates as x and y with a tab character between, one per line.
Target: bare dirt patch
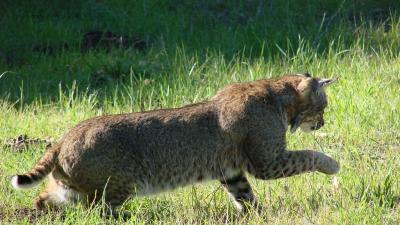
32	214
21	214
108	40
22	142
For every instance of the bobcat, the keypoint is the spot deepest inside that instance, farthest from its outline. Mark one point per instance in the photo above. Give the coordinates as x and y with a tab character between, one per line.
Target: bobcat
240	130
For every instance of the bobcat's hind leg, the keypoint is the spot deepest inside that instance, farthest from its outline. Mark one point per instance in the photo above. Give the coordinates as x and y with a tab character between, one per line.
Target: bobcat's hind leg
113	209
56	195
111	199
116	213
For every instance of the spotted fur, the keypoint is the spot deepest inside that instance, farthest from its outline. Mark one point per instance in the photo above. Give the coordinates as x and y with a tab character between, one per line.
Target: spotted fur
240	130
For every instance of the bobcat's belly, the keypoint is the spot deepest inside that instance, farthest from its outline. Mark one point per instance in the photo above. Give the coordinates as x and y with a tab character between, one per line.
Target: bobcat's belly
161	184
157	184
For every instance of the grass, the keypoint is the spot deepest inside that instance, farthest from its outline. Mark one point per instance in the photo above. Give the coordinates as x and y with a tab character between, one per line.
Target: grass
195	48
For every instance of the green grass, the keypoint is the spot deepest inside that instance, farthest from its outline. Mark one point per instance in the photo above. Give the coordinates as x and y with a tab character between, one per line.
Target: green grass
195	48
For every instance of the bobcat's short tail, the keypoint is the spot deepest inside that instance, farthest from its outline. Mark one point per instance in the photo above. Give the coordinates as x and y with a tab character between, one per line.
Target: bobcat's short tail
39	171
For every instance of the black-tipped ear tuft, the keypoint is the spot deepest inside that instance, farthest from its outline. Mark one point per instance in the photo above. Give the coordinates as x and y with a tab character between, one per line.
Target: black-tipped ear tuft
323	83
307	74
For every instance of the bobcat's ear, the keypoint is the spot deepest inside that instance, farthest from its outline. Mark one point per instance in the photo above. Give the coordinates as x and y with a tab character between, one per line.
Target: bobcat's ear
304	88
323	83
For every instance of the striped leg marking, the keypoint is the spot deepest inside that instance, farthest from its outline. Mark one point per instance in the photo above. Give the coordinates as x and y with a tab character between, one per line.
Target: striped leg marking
240	191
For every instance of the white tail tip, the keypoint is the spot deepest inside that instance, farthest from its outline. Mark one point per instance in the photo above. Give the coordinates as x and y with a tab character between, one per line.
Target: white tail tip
18	186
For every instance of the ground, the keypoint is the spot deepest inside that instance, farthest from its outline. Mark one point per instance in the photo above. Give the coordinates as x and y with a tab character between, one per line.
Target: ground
64	61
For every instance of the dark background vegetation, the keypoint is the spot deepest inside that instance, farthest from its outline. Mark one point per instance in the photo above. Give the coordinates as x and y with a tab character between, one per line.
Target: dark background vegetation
44	45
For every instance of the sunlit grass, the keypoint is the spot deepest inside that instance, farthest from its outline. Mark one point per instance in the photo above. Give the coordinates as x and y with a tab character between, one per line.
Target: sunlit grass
47	95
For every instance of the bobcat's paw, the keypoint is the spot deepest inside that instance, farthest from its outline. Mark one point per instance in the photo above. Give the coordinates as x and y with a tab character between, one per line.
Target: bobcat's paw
328	165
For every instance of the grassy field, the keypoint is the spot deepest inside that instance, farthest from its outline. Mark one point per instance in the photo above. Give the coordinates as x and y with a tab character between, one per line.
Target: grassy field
50	80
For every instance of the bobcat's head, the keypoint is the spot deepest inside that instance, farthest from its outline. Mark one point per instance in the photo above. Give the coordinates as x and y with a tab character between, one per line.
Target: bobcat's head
313	103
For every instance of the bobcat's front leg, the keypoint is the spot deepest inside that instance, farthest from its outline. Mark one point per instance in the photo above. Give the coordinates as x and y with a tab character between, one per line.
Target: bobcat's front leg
289	163
240	191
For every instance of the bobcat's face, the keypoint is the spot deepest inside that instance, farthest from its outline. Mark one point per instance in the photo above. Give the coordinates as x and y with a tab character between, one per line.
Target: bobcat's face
312	92
313	121
313	118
